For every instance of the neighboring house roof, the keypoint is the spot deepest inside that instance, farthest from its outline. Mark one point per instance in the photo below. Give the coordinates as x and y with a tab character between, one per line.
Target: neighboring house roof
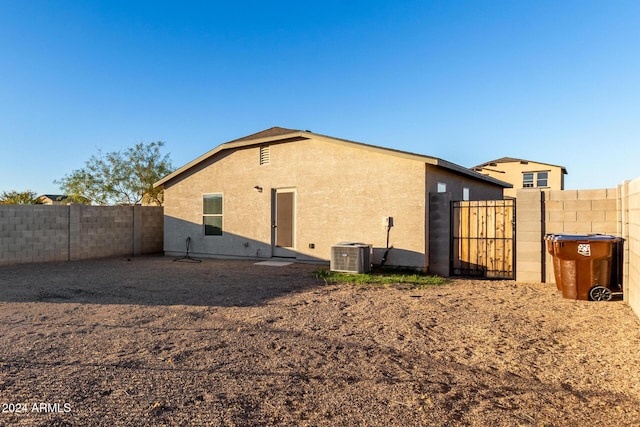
280	135
516	160
54	197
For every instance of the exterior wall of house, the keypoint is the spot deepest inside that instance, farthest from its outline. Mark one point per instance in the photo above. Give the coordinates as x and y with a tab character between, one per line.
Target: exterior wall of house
37	233
455	184
511	172
342	194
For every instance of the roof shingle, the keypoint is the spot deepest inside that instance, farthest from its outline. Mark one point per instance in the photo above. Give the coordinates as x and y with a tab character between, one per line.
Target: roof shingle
274	131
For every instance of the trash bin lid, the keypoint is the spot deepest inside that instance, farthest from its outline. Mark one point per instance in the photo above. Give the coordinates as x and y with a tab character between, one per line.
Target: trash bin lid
582	237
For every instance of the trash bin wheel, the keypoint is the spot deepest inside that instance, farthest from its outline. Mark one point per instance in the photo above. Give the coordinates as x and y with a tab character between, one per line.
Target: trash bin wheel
600	293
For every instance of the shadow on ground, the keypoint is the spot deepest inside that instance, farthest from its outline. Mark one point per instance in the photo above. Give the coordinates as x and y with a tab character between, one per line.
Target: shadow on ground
154	280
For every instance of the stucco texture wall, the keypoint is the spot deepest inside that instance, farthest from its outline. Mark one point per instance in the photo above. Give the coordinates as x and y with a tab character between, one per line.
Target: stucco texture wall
343	193
512	172
455	185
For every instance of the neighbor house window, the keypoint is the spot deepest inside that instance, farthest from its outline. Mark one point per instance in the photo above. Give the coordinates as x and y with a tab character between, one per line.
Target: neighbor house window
442	187
542	179
212	214
535	179
527	180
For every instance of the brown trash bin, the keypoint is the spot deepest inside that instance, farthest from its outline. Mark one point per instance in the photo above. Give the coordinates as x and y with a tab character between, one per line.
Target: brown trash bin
582	264
556	261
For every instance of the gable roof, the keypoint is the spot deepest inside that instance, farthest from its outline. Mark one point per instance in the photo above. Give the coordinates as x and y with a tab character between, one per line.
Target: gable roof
280	135
516	160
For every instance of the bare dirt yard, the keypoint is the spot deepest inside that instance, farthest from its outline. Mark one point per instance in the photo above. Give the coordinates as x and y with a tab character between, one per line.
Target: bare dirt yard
151	342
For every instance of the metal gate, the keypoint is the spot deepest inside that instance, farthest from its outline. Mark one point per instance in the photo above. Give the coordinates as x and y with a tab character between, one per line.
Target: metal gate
483	238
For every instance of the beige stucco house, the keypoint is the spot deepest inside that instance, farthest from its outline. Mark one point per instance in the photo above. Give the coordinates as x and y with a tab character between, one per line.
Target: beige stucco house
292	193
522	173
53	199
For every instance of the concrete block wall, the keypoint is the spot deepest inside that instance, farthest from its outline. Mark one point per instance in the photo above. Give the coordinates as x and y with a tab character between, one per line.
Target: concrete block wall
106	231
579	212
151	233
38	233
614	211
33	233
582	211
631	229
559	211
529	233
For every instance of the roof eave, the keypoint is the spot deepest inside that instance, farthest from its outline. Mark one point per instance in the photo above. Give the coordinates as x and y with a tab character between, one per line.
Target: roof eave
375	148
471	173
514	160
298	135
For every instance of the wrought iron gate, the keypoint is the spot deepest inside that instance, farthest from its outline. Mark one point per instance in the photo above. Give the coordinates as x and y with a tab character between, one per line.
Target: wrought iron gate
483	238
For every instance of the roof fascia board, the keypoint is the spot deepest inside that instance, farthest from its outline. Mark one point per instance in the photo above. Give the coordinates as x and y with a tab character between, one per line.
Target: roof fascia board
471	173
376	149
307	135
516	160
417	157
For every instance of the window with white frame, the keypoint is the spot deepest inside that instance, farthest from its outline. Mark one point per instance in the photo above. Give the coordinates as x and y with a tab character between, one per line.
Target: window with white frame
542	180
535	179
442	187
212	214
465	193
527	180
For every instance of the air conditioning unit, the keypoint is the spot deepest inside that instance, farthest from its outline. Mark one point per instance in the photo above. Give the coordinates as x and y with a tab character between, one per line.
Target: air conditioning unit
349	257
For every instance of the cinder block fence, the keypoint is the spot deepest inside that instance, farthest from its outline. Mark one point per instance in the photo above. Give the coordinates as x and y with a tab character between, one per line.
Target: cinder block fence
40	233
614	211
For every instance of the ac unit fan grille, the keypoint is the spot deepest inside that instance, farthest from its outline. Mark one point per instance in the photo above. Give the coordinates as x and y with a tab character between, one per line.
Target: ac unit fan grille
350	259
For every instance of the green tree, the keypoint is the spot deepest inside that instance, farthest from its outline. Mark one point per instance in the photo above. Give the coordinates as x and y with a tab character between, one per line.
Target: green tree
119	178
19	198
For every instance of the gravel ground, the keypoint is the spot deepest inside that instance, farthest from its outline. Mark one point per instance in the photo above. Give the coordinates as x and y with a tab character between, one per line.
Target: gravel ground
151	342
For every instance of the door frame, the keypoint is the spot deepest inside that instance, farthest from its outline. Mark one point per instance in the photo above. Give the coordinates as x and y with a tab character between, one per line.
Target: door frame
283	251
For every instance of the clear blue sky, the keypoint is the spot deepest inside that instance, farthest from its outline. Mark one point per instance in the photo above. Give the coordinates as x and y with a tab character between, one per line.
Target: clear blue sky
468	81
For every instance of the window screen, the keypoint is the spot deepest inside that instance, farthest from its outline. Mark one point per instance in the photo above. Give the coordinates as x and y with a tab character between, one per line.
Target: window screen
527	180
543	179
212	214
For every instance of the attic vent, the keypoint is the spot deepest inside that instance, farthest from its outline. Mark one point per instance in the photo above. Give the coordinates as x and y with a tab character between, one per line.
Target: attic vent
264	155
